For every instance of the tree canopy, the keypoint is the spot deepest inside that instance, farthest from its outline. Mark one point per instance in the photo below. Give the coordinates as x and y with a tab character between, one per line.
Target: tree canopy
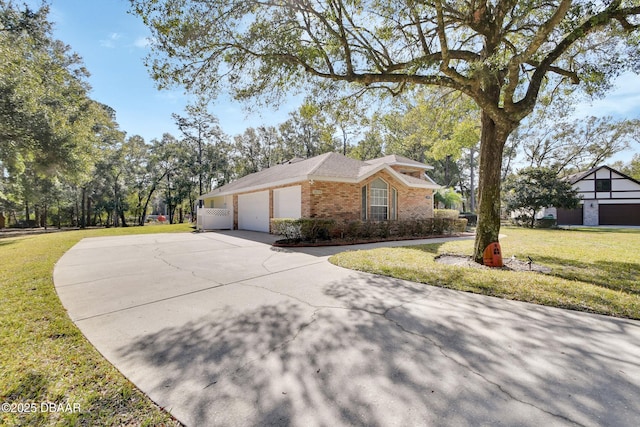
555	136
499	53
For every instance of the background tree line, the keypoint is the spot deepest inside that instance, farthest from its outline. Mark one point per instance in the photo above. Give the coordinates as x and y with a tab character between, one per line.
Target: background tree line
64	160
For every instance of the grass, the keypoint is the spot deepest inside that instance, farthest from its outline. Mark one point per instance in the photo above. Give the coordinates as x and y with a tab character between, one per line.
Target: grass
593	270
44	358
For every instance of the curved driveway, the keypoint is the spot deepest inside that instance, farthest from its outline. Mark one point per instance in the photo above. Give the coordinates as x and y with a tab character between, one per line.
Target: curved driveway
224	330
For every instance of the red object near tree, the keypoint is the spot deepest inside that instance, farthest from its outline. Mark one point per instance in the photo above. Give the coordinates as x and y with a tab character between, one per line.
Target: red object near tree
492	256
162	218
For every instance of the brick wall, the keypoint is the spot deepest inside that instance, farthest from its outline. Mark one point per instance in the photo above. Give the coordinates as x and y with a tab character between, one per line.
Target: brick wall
305	210
338	200
342	201
413	203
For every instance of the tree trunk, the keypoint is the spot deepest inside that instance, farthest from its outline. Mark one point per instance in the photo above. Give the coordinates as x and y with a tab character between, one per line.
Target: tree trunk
115	203
200	189
472	190
143	215
533	218
59	215
491	147
138	210
88	222
83	206
192	208
169	210
74	216
27	214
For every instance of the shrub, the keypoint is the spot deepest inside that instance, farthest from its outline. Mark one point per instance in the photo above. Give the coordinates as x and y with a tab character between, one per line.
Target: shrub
472	219
383	229
521	219
546	222
439	225
314	229
288	228
352	230
303	229
446	213
459	225
366	229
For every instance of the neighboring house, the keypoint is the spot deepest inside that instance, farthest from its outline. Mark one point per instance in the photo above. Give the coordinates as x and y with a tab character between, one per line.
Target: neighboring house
326	186
608	197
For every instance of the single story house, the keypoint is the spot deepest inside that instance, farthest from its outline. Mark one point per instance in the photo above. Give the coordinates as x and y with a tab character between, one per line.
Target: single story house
608	197
326	186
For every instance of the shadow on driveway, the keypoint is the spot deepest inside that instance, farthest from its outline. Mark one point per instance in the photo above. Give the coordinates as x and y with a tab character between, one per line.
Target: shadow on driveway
389	352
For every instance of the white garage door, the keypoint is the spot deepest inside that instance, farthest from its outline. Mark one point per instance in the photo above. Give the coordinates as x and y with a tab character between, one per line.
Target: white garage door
287	202
253	211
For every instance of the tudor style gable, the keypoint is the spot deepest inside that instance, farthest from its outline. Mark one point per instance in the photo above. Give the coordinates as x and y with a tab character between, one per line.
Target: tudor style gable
609	197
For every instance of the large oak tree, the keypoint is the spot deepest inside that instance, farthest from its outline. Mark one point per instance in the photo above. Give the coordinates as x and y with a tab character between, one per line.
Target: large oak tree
500	53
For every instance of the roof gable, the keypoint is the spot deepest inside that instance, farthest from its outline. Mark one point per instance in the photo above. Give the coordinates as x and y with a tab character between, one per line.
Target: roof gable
582	175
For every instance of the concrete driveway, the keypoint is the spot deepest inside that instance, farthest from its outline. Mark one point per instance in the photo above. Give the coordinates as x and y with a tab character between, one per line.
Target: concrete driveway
224	330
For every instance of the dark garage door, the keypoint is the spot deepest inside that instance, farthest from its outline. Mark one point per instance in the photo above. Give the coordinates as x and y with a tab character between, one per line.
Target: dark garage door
570	216
620	214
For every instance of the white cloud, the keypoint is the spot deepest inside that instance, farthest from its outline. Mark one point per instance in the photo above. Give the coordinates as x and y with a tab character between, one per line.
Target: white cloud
171	96
142	42
111	41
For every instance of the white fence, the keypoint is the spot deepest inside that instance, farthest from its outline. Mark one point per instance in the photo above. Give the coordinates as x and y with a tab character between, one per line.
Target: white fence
214	219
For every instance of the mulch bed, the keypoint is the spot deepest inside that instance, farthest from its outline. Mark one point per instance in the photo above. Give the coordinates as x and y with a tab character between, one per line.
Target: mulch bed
511	264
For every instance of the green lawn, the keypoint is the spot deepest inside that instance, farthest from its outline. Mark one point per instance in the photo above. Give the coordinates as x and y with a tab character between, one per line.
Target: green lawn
594	270
44	359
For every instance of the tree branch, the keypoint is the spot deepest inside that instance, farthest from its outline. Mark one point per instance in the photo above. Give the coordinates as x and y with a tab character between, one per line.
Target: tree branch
592	24
540	37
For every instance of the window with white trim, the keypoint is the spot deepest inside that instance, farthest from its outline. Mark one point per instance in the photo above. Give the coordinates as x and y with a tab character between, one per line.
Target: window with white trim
379	203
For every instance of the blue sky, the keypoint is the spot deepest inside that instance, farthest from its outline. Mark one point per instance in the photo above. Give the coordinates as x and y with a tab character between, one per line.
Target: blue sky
113	44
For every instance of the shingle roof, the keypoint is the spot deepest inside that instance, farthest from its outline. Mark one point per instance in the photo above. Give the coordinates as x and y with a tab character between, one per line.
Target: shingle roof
326	167
334	165
394	159
580	175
